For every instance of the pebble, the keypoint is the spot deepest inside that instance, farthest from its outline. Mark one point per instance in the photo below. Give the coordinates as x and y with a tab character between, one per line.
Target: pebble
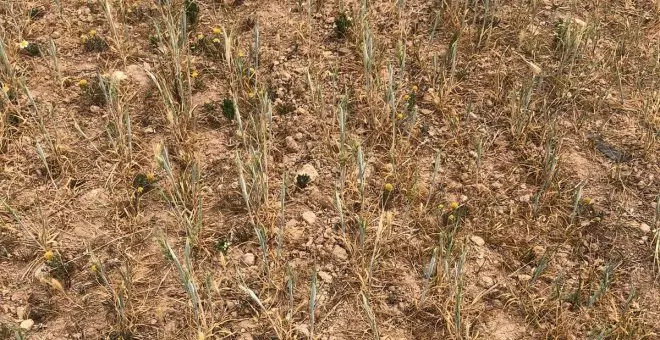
477	240
309	217
308	170
248	259
524	277
645	228
94	109
340	253
20	312
291	143
325	276
486	281
26	324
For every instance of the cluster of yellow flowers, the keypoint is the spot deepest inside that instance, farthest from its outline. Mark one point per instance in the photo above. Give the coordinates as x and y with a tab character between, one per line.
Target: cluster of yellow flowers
85	37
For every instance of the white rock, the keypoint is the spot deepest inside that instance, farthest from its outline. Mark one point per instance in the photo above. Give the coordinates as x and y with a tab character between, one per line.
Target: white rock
339	252
308	170
248	259
645	228
20	312
325	276
477	240
309	217
94	109
26	324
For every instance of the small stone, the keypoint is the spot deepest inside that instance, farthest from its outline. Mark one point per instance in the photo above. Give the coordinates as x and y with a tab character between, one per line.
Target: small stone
340	253
309	217
308	170
291	143
139	75
486	281
326	277
477	240
94	109
20	312
645	228
248	259
524	277
303	330
26	324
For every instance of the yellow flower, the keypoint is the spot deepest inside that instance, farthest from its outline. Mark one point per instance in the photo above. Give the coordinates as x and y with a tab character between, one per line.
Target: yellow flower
216	40
587	201
441	206
84	38
92	33
94	268
415	88
82	83
49	255
23	44
150	176
217	30
140	189
194	74
451	218
241	54
5	88
251	70
200	36
453	205
406	97
399	116
250	94
389	187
